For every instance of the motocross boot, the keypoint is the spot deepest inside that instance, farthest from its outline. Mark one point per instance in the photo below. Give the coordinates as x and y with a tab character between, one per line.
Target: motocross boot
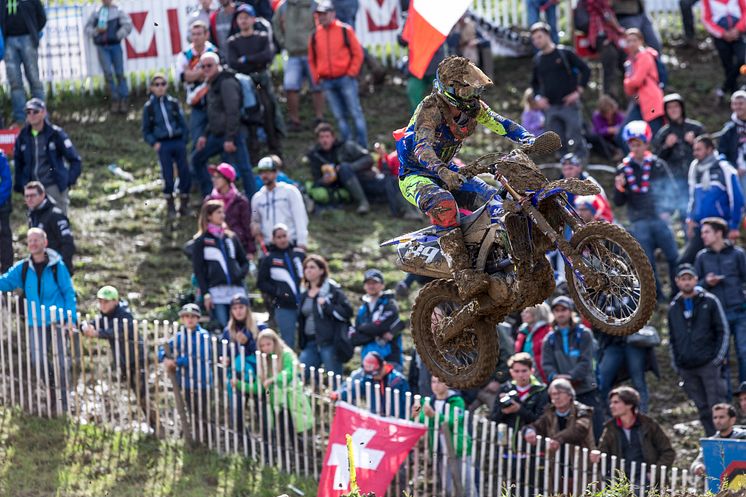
469	281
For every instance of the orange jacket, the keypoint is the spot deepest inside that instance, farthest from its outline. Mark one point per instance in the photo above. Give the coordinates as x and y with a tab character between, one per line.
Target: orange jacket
330	56
641	81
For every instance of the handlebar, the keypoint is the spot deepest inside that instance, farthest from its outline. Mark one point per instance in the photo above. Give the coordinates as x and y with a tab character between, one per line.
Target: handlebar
544	144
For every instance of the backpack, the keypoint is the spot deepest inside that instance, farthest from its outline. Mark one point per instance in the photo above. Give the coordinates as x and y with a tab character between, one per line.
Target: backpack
24	273
252	112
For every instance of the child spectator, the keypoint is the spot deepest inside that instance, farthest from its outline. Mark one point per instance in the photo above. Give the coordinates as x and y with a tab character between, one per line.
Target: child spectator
218	261
241	330
607	120
532	117
377	325
324	316
164	129
236	205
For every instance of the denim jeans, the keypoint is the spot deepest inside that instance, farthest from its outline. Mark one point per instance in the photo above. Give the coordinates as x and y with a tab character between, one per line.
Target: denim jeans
344	102
20	50
111	59
238	159
197	124
533	9
614	357
654	234
221	313
174	151
318	355
287	322
737	324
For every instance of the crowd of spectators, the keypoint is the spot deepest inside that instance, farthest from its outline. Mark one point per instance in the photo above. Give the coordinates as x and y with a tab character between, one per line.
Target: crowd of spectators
668	169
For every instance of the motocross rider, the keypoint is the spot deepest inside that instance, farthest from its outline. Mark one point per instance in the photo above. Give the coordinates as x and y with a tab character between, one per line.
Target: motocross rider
428	177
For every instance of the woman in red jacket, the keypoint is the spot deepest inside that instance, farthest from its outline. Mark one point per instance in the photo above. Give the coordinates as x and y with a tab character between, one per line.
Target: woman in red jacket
536	325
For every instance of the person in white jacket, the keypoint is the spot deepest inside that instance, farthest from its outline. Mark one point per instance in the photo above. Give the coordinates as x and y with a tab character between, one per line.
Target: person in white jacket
278	202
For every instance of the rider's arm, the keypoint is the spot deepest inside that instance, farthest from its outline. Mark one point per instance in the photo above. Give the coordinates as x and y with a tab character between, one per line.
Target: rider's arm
502	125
424	129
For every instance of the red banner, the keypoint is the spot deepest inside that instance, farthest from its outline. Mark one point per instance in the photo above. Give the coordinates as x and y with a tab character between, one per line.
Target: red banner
8	140
380	445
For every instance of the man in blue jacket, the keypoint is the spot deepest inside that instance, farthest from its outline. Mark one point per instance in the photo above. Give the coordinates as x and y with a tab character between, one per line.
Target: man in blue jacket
6	206
714	191
40	153
46	282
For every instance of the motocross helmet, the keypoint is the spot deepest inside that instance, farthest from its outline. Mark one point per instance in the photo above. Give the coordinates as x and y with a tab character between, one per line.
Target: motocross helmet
637	130
460	83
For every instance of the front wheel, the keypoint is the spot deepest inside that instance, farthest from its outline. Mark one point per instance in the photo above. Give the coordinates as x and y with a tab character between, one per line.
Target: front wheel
467	361
623	296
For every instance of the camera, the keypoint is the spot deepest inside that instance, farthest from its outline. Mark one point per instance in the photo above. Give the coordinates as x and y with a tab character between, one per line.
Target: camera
507	399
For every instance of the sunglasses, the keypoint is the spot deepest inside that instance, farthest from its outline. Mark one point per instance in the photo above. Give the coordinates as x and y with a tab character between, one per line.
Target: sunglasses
159	83
32	111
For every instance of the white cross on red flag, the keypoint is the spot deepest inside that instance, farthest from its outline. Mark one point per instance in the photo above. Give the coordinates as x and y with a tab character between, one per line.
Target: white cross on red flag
380	445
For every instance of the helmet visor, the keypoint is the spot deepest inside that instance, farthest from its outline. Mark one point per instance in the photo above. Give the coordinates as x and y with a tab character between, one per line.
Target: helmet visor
468	92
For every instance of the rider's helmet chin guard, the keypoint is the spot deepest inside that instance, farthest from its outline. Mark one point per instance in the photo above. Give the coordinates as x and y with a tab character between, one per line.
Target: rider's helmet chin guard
461	83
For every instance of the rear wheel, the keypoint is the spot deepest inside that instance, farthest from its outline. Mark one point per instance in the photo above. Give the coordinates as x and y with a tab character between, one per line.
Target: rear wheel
623	298
467	361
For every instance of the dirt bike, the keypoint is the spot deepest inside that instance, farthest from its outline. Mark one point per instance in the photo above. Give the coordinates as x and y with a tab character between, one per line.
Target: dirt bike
608	275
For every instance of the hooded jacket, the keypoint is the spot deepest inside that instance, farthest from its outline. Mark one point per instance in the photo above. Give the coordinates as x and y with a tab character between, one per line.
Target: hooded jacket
283	204
56	225
280	274
700	336
729	262
570	352
162	120
48	291
31	12
118	25
391	378
332	318
732	142
42	158
656	446
218	261
719	16
641	80
192	351
372	324
715	191
341	153
224	100
117	328
679	156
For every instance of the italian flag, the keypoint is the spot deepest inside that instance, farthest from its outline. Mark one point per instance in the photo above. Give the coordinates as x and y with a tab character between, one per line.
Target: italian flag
427	26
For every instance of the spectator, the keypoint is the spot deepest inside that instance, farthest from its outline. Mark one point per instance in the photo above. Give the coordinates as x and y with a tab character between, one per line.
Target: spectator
607	122
726	23
6	206
218	261
46	285
40	153
721	267
618	360
454	439
115	324
250	52
687	19
221	23
699	337
335	57
572	167
381	376
278	203
642	83
567	353
740	395
324	316
633	436
236	205
468	39
732	141
201	13
532	117
189	72
108	25
534	9
342	164
631	15
724	421
565	420
594	208
293	24
714	192
164	129
241	331
642	180
346	10
189	355
276	378
522	399
377	324
44	214
535	327
224	133
280	274
606	38
22	24
559	78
